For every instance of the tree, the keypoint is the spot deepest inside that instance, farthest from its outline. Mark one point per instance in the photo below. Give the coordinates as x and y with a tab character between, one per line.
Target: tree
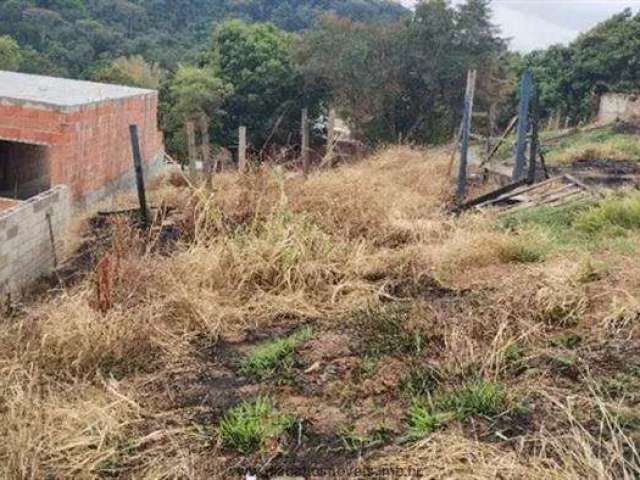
267	89
10	56
134	71
188	94
406	80
361	67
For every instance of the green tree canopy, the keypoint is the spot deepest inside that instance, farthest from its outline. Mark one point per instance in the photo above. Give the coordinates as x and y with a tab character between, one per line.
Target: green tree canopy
405	80
606	58
10	56
134	71
268	92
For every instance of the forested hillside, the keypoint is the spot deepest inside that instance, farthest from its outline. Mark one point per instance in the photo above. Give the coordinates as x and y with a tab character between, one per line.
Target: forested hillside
70	37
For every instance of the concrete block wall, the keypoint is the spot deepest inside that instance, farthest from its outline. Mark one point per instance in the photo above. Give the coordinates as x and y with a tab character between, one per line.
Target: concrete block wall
619	106
26	251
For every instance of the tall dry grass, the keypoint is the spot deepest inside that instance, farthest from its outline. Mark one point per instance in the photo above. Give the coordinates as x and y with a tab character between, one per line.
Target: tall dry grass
83	371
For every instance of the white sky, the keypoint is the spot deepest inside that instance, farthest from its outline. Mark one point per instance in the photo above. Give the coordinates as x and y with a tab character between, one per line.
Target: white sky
535	24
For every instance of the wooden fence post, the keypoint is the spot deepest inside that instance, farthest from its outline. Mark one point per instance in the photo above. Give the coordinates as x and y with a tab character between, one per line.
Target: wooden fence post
137	163
466	127
304	132
242	149
206	150
331	133
191	148
523	126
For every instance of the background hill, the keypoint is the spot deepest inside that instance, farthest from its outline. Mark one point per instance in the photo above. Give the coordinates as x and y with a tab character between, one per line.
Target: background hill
69	37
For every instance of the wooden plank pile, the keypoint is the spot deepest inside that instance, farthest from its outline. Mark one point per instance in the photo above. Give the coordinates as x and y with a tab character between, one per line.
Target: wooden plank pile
553	192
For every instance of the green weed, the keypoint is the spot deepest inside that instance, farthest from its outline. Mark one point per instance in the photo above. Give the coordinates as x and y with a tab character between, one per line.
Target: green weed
569	341
479	398
249	425
514	359
421	381
272	356
355	442
423	419
384	331
365	368
622	386
428	413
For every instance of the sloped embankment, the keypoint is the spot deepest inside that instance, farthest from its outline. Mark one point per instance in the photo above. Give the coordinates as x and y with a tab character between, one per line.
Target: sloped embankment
343	322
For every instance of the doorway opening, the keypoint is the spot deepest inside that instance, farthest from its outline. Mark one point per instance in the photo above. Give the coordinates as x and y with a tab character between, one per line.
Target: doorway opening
24	170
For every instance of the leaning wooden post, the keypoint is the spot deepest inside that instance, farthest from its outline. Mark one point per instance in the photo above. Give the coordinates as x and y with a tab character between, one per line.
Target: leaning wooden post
206	149
466	127
242	149
523	126
535	137
137	163
191	147
304	132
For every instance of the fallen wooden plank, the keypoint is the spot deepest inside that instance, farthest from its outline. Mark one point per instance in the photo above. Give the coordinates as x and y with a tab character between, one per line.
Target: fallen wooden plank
548	202
489	196
529	188
506	133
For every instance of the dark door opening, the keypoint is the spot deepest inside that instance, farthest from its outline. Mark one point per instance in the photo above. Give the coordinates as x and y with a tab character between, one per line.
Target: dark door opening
24	170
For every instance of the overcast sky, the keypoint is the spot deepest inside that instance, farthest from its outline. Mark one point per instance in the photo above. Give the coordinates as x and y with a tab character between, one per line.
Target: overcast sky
539	23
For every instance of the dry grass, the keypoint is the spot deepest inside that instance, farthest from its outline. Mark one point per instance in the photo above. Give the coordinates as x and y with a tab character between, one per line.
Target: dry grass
90	374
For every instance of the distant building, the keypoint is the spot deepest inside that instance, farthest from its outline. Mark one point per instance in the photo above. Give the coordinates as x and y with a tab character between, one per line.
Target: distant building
619	107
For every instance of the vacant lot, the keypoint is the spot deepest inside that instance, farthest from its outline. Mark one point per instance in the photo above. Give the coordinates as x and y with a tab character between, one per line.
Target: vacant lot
331	324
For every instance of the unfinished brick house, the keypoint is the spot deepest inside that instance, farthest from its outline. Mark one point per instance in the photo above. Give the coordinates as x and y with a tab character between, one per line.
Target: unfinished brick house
63	144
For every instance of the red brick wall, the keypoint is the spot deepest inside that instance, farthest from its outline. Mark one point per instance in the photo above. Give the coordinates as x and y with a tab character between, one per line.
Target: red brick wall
90	146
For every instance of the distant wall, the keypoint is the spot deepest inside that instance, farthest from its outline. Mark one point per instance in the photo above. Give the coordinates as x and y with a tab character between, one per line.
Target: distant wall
26	251
619	106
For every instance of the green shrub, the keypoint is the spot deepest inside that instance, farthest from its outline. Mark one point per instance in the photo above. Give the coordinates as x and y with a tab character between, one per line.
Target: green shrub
555	220
266	359
249	425
612	216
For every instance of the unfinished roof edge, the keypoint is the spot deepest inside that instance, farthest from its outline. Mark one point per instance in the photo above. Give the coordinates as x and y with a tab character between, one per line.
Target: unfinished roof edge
61	93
